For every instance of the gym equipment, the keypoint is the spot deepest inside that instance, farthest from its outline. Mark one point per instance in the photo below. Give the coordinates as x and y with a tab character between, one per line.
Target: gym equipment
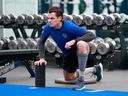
62	81
103	48
117	17
99	20
6	68
4	43
30	19
39	19
0	20
98	40
8	19
57	91
107	46
93	47
50	45
126	41
78	19
88	20
45	15
13	44
40	75
118	45
111	43
22	44
31	43
123	18
1	44
2	79
10	59
67	17
21	19
58	49
110	20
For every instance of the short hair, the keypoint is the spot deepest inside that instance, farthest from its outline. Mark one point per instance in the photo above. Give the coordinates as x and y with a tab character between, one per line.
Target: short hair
57	10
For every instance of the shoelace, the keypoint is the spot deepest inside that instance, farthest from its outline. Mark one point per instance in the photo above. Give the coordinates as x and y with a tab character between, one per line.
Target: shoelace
93	75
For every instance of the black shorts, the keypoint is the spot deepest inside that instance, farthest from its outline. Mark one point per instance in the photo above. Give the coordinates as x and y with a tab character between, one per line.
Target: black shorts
71	62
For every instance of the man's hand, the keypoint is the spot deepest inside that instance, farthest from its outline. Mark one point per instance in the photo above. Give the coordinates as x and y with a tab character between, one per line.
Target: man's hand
40	62
69	44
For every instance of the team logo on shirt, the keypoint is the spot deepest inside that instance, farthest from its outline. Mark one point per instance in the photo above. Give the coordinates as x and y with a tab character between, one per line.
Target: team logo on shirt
64	35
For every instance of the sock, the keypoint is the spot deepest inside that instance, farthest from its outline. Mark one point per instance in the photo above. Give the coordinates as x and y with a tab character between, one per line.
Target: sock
82	60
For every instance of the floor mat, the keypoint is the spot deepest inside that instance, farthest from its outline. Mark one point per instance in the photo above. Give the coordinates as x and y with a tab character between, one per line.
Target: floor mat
23	90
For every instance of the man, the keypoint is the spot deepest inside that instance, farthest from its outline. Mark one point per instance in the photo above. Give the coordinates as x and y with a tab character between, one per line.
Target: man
73	42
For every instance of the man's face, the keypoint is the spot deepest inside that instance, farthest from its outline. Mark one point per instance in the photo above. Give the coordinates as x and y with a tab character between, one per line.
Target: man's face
53	20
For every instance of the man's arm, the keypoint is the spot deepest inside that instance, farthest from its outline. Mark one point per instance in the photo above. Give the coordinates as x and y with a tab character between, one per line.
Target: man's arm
88	36
41	48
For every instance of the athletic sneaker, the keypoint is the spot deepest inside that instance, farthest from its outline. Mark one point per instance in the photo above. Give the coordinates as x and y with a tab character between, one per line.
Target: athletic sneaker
99	71
80	84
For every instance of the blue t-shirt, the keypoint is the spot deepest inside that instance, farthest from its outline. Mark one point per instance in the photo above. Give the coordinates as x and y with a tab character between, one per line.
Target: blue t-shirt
67	32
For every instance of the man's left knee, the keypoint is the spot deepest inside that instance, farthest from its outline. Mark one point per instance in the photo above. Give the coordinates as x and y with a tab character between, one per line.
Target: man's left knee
83	46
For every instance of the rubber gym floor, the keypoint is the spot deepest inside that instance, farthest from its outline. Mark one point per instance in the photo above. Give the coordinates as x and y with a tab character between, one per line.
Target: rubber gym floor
19	83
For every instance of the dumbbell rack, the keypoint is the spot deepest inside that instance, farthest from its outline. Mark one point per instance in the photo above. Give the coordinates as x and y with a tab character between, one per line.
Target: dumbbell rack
9	58
117	59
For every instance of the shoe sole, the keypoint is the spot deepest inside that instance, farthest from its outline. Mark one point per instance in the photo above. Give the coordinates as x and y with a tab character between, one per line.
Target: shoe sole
101	67
79	89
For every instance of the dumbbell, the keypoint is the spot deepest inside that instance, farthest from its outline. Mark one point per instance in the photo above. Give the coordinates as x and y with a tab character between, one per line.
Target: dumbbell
39	20
98	40
123	18
93	47
21	19
37	39
106	47
13	44
103	48
22	44
1	44
7	19
117	18
67	17
0	21
31	43
78	19
94	43
118	45
88	20
45	15
4	43
99	20
50	45
126	42
111	43
30	20
110	20
58	49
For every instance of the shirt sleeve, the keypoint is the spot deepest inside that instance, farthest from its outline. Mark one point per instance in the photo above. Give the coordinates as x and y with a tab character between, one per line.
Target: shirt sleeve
41	43
45	32
79	31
